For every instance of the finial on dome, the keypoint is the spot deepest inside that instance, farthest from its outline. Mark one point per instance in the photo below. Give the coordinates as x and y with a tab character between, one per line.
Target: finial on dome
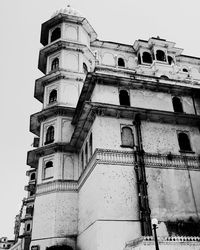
68	11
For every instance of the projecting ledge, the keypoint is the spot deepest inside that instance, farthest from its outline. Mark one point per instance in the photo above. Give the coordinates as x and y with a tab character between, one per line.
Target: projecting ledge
165	243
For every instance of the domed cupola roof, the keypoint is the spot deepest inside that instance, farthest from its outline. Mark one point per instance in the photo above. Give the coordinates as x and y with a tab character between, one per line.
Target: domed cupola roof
68	11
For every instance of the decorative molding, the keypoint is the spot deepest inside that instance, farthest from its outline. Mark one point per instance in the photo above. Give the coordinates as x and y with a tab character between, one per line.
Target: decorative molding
165	240
57	186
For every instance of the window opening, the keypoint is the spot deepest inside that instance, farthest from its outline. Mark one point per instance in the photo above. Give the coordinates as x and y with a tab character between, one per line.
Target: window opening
56	34
86	153
48	170
139	59
49	135
184	142
121	62
55	64
28	227
170	60
177	105
185	70
82	160
160	55
85	69
32	177
164	77
124	98
127	137
53	96
146	57
90	145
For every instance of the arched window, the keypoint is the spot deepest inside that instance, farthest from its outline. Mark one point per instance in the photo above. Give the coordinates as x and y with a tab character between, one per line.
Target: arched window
121	62
127	137
85	69
48	170
139	59
55	64
146	57
32	177
86	153
170	60
177	105
49	135
56	34
28	227
90	145
164	77
184	142
185	70
53	96
124	98
160	55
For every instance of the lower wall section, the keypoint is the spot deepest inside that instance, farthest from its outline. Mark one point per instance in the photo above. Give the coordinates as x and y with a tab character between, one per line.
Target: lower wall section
108	235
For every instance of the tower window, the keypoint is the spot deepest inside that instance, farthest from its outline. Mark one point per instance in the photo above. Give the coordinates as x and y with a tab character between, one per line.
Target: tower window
124	98
48	170
177	104
56	34
90	145
160	55
170	60
86	153
49	135
139	59
85	69
32	177
82	160
55	64
146	57
121	62
28	227
127	137
185	70
184	142
53	96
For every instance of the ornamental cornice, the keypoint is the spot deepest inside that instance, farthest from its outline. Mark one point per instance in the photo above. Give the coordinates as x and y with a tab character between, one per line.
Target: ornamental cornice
57	186
34	155
37	118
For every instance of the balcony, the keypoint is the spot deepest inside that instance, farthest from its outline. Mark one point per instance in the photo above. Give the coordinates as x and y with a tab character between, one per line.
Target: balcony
165	243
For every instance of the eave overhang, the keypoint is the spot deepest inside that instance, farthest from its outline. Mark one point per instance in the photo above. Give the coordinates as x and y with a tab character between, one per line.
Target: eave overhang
36	118
33	155
91	110
57	46
53	76
131	80
60	18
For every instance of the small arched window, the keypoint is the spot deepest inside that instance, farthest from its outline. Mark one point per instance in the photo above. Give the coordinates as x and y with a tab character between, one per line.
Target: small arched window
53	96
56	34
170	60
32	177
127	137
48	170
164	77
49	135
177	104
185	70
146	57
184	142
160	56
124	98
55	64
28	227
139	59
85	69
121	62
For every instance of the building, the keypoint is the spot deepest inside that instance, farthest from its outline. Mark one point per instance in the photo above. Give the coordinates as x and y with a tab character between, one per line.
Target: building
5	243
117	142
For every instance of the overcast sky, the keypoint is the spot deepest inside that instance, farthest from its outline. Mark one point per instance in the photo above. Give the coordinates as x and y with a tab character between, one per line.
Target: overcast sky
20	22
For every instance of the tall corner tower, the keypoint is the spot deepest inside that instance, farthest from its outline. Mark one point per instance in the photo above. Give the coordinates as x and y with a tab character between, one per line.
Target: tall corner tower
64	59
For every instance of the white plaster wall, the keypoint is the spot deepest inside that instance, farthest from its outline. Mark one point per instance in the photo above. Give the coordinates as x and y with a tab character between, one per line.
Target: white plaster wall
108	194
66	129
83	36
70	32
107	132
162	138
105	94
71	61
55	215
188	106
69	93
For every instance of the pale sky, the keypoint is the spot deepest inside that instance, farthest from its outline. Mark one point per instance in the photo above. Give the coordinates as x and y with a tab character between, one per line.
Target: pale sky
20	22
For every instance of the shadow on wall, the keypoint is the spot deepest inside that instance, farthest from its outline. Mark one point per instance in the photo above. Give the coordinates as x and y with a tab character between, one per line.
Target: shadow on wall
188	227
